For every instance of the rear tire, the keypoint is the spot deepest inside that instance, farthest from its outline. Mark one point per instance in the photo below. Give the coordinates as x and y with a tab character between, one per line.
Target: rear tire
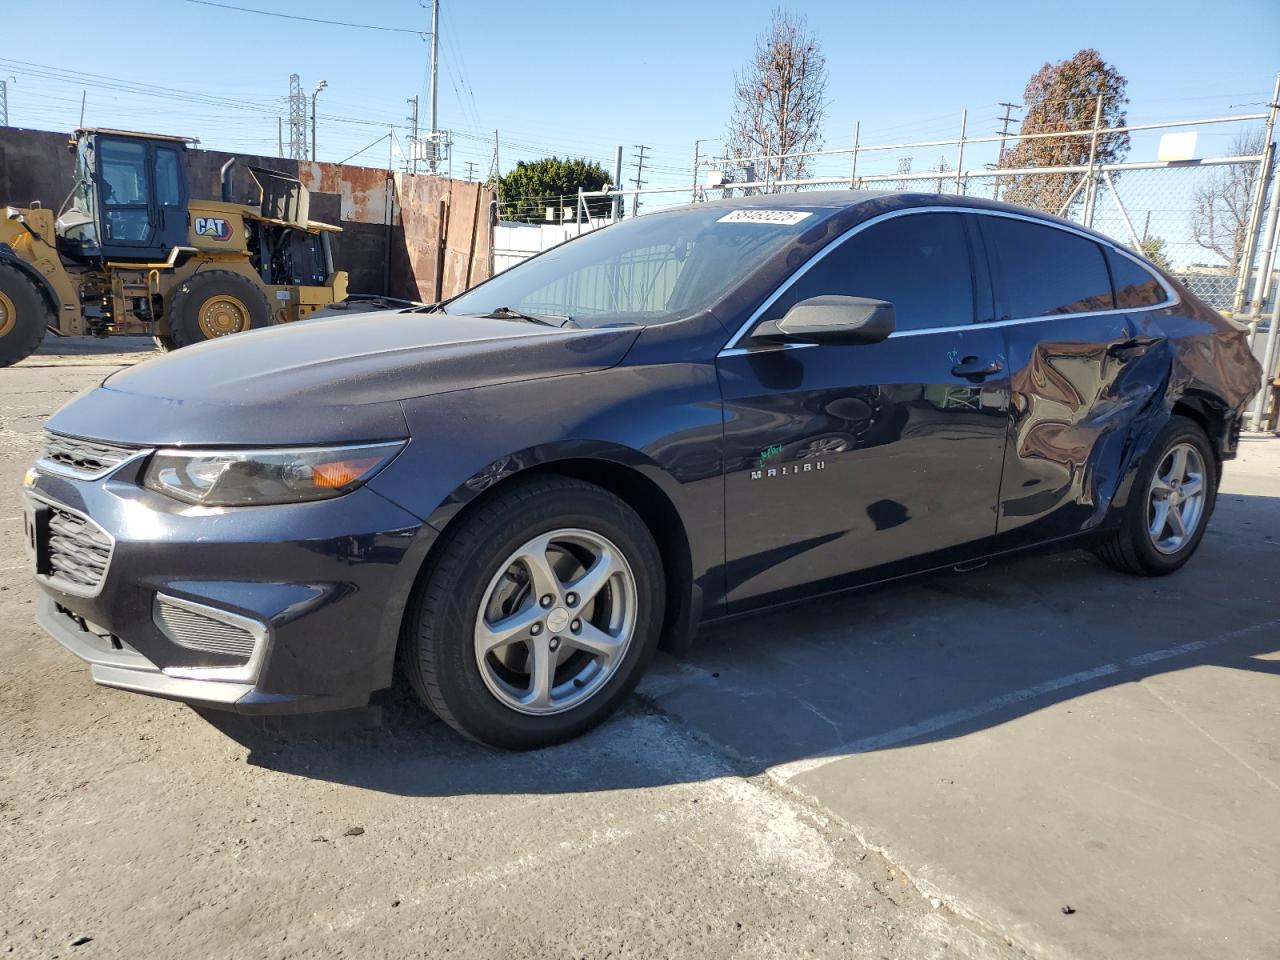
1169	507
213	304
24	316
565	661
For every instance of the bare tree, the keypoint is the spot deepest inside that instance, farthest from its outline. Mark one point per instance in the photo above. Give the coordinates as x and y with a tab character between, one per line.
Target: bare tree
779	101
1219	217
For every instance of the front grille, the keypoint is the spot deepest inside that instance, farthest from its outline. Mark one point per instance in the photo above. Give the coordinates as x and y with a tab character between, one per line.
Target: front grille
198	631
79	550
84	458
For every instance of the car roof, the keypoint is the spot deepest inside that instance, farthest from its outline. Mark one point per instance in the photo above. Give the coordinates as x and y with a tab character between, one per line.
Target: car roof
866	203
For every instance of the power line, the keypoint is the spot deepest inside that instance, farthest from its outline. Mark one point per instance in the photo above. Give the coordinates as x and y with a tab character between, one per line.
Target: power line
363	149
292	16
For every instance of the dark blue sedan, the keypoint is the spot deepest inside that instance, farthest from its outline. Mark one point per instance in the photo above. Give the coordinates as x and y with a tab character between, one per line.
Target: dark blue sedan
516	496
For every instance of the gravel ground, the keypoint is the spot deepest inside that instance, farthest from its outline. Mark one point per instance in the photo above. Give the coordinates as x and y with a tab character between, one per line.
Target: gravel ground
132	827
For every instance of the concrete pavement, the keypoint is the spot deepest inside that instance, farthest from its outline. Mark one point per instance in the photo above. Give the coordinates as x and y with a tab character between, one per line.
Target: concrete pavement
1040	758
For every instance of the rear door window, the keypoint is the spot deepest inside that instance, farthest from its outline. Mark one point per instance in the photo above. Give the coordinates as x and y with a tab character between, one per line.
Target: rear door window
918	262
1047	271
1135	285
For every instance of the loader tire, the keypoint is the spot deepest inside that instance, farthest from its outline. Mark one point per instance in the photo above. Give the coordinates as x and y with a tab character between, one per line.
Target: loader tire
213	304
24	316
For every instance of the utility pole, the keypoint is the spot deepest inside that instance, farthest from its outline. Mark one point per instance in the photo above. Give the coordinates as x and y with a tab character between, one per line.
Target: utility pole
315	93
279	136
297	119
1004	132
435	63
413	135
471	167
697	146
617	184
635	198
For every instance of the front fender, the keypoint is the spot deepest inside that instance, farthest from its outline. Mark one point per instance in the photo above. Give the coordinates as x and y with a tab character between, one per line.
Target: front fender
662	421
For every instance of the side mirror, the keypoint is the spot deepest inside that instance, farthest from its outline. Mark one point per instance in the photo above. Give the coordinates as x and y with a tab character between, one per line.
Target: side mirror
838	320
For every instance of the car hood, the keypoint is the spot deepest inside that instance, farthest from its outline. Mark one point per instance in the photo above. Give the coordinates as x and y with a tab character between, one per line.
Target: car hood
327	380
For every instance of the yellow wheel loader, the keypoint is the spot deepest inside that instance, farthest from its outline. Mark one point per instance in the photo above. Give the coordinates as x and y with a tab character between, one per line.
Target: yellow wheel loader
132	252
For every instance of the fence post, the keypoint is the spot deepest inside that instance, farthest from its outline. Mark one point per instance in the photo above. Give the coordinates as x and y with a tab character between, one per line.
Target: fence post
853	167
1090	187
1268	362
964	122
1265	172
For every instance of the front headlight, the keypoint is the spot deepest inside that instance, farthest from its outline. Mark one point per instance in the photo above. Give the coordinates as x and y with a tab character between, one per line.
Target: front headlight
236	478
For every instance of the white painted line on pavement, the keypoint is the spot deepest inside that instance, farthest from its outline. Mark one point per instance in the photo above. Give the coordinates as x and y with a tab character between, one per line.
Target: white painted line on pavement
785	772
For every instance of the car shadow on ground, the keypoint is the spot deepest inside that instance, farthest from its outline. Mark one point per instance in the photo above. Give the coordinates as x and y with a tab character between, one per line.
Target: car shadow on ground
933	659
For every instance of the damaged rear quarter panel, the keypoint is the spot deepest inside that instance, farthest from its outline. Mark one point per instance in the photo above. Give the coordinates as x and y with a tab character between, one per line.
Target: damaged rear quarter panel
1090	394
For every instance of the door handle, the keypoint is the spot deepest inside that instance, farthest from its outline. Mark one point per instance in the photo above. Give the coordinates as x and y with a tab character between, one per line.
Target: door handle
1127	348
974	368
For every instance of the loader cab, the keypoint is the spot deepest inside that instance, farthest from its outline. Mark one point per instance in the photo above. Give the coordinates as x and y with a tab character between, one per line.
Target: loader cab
130	197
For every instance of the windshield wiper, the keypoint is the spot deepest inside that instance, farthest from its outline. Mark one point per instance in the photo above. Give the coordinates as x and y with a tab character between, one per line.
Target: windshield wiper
506	313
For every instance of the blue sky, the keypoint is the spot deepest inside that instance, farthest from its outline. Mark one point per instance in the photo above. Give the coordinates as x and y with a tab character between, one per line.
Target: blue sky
578	78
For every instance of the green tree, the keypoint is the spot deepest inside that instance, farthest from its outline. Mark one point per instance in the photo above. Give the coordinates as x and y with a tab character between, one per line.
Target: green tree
531	187
1063	97
1153	248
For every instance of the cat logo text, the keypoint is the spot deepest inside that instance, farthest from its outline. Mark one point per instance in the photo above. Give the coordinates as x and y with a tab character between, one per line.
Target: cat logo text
215	227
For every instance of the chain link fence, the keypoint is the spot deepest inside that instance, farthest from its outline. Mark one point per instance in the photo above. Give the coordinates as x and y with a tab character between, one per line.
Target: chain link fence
1194	196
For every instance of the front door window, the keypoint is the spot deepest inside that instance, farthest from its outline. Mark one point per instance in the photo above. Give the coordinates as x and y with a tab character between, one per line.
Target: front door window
125	188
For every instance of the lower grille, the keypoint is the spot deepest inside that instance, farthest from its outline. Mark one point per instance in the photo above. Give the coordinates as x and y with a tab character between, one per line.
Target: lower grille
79	550
190	627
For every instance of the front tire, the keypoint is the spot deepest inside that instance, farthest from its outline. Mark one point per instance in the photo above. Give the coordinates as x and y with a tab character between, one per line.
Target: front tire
539	615
1169	507
213	304
24	316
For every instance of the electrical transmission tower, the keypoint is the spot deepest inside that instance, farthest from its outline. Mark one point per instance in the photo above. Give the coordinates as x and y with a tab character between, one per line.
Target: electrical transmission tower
635	198
297	119
4	103
413	134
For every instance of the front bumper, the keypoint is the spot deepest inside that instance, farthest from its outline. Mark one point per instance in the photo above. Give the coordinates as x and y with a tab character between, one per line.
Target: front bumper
319	587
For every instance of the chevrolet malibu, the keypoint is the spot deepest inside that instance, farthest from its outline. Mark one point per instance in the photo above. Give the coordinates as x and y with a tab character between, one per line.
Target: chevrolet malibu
513	498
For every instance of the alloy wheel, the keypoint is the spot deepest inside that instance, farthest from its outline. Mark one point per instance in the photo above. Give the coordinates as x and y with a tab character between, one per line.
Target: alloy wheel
556	621
1176	500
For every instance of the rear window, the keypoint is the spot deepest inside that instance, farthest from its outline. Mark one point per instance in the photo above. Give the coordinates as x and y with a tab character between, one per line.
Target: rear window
1047	271
1135	286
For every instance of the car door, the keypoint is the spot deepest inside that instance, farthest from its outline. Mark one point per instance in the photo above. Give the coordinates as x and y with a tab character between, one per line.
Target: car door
842	461
1074	361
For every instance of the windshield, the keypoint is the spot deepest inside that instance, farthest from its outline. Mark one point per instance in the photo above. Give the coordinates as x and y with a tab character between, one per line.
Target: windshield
650	269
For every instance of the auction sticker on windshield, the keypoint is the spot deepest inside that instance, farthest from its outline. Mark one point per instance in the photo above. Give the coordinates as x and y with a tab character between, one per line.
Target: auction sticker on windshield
777	217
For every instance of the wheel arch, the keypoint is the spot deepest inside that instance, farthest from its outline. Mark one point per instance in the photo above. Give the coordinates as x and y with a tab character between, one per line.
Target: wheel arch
1211	415
41	282
629	475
